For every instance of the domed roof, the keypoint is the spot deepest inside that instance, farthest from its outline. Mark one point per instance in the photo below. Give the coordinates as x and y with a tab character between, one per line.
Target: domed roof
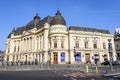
47	19
58	19
36	22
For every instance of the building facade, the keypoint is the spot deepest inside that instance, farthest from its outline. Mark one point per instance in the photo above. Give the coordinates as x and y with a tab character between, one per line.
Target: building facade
117	43
50	40
1	57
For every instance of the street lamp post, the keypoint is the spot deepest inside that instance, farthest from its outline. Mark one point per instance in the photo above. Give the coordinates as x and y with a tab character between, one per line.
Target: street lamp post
96	61
110	53
74	54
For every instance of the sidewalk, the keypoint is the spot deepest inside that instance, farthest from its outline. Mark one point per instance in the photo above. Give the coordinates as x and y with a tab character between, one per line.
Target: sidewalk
92	68
112	74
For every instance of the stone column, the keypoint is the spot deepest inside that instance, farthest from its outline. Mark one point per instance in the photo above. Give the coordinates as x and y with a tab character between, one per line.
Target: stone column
39	58
16	46
30	43
39	43
24	44
33	43
31	58
27	44
58	42
45	42
70	45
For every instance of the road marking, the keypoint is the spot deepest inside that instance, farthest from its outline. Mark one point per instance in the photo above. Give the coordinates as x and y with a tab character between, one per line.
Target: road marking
73	78
116	76
67	72
65	75
59	73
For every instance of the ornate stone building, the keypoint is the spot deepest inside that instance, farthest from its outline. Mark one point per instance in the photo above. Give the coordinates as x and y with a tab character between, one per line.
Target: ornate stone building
1	57
117	43
50	40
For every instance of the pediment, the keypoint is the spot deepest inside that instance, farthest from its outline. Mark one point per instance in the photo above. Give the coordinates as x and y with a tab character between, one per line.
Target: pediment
26	33
34	30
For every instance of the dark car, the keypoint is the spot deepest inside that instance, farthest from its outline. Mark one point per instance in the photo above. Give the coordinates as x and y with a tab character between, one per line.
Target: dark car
105	63
115	63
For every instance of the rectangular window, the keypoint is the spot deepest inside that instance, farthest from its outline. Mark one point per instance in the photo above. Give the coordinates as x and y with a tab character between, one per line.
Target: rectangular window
55	44
86	44
62	44
8	50
18	48
117	47
14	48
77	56
77	44
95	45
104	46
62	56
105	57
7	58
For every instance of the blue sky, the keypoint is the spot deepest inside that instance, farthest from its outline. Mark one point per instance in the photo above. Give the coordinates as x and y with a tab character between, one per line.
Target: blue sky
100	14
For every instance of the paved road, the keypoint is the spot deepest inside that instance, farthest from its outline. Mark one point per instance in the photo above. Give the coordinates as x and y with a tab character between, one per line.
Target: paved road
30	75
48	75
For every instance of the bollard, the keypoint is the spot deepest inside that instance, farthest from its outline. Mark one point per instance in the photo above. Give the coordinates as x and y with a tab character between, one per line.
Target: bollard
96	69
86	68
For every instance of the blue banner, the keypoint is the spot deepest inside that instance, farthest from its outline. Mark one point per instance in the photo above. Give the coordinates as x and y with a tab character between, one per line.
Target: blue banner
62	56
77	57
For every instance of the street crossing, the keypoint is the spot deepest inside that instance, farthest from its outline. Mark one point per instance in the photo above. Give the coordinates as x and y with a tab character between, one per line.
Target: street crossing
79	75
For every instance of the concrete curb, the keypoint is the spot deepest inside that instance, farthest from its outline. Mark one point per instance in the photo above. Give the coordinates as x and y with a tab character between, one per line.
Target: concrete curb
112	74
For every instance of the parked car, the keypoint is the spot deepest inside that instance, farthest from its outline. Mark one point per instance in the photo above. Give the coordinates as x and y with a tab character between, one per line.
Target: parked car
116	63
105	63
